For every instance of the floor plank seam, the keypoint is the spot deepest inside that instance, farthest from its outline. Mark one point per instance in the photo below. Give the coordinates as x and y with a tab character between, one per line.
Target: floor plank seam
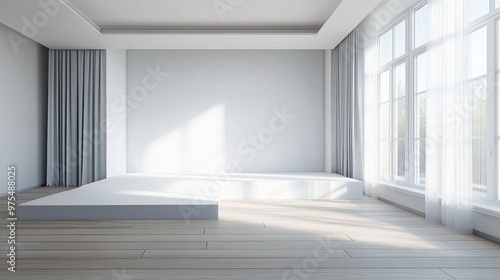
243	269
447	273
347	253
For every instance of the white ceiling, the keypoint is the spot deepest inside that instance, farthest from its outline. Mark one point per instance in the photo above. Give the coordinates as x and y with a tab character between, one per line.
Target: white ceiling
185	24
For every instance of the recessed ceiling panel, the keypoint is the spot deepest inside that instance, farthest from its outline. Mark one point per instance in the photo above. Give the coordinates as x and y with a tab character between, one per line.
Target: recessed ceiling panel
206	14
186	24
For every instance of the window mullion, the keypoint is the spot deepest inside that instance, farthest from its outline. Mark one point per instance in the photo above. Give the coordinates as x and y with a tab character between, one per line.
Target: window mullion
491	178
410	89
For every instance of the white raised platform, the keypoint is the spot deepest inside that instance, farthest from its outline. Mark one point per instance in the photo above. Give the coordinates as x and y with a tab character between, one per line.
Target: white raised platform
165	196
291	186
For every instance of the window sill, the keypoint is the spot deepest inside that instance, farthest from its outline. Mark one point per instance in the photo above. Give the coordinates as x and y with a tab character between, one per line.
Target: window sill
490	209
403	189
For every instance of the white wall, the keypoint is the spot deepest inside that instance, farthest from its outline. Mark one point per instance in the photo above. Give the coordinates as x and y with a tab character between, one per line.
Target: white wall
116	112
197	111
23	109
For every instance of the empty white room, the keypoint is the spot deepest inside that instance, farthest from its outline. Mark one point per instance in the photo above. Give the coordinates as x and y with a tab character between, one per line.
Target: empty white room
249	139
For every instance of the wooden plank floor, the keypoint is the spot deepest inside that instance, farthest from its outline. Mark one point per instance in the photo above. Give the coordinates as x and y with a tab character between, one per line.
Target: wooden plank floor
300	239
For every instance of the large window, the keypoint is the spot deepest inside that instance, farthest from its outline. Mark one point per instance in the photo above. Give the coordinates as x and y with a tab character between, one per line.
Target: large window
402	99
483	33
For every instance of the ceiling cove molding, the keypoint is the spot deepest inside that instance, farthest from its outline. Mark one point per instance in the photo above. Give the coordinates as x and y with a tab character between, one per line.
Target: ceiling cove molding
72	7
194	30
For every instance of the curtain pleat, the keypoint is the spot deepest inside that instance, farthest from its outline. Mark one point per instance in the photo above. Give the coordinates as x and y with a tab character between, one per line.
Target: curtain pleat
76	141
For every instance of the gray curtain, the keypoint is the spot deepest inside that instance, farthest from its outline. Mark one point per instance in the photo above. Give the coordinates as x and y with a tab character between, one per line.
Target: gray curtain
76	137
347	108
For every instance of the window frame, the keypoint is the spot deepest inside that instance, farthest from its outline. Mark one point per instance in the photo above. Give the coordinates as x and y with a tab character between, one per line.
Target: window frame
412	175
491	21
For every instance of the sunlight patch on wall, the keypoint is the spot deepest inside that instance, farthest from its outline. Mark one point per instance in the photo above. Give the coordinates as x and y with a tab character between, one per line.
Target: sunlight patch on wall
195	146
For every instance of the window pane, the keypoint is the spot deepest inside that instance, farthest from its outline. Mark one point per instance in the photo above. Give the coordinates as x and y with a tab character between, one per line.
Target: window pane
400	80
421	115
479	152
421	26
385	155
400	158
497	4
386	47
400	114
421	162
479	97
478	8
421	72
385	120
400	39
384	86
477	53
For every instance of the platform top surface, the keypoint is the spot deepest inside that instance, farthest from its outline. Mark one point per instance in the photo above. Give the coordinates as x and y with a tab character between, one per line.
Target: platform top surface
168	189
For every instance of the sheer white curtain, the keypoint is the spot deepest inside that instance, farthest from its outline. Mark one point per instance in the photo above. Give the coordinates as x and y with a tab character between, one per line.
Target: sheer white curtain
367	43
370	156
449	181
